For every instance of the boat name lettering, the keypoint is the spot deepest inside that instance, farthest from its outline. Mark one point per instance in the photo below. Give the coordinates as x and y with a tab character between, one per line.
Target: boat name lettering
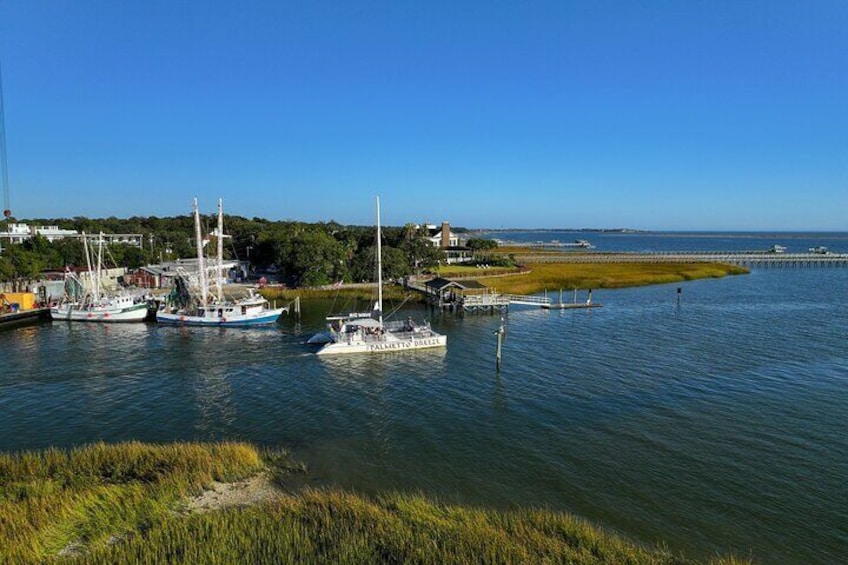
403	344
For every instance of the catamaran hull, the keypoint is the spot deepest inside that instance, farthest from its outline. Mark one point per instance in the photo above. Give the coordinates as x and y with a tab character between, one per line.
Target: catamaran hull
135	313
268	317
344	347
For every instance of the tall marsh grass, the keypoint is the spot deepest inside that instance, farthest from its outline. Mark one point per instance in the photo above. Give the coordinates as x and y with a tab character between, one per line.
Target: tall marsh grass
124	504
52	499
285	295
555	276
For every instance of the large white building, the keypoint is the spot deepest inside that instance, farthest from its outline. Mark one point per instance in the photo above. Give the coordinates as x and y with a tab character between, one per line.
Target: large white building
18	233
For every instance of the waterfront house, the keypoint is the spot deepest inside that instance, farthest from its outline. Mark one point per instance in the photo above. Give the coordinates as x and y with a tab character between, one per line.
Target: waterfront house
444	238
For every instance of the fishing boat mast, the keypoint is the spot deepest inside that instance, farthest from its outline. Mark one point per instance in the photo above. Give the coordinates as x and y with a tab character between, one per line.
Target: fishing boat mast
88	265
201	267
220	281
97	279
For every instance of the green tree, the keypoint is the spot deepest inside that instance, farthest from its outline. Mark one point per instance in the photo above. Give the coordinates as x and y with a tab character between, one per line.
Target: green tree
316	259
481	244
25	263
70	252
7	269
420	253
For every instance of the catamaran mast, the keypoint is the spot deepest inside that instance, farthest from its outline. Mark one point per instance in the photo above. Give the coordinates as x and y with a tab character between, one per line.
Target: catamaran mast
379	265
201	267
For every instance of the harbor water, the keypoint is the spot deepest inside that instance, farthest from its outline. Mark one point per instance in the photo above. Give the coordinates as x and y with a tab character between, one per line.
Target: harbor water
714	424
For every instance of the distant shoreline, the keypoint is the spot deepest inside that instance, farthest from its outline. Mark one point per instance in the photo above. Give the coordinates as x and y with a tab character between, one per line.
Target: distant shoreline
556	230
670	233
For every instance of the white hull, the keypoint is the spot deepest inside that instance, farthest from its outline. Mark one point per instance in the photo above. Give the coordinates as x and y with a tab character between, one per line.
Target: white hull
357	333
136	313
203	310
383	344
259	318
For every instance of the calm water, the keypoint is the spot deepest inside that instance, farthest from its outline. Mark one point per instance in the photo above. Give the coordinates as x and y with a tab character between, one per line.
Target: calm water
687	241
718	425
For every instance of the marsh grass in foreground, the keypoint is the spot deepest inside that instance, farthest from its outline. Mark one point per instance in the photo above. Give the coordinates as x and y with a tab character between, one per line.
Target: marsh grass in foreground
126	503
567	276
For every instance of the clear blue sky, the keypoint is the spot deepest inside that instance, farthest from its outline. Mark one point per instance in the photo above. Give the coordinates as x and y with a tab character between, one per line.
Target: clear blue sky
679	114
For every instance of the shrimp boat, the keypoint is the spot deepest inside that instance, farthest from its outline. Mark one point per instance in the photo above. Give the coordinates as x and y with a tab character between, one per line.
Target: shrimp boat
87	302
368	333
188	309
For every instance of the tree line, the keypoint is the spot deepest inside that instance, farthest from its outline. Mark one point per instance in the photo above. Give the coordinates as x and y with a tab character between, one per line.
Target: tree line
304	254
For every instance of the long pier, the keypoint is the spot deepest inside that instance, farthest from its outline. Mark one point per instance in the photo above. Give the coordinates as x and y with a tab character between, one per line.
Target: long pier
499	302
743	258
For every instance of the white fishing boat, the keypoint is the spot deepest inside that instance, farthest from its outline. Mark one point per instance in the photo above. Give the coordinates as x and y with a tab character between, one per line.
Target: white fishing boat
368	333
198	308
112	309
88	302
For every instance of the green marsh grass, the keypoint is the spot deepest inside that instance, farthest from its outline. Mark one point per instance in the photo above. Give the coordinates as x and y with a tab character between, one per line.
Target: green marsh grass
125	503
449	271
285	295
555	276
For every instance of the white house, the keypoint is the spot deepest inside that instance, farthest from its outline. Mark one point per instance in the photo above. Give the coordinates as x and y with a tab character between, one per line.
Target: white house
441	236
448	241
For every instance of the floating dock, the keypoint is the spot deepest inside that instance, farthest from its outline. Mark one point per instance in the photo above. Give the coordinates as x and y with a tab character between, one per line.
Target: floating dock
570	305
24	316
451	295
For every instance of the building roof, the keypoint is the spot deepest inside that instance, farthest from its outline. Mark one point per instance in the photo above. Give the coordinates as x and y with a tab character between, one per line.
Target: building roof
440	283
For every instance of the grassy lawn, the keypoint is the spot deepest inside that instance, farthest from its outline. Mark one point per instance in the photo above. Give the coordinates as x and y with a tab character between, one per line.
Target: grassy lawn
127	503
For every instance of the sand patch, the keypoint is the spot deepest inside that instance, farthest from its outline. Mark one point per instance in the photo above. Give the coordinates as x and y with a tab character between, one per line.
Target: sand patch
254	490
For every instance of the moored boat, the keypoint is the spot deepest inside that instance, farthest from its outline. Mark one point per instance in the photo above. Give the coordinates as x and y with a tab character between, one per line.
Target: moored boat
187	308
369	333
111	309
88	302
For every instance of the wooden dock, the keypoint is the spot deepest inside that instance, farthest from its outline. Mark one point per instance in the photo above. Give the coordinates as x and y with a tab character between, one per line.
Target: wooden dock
24	316
442	293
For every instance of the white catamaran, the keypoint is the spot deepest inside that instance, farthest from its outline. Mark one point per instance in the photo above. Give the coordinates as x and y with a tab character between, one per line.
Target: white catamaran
202	310
87	302
368	333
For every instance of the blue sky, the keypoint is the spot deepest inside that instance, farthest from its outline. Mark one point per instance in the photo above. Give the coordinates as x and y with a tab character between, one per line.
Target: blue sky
642	114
